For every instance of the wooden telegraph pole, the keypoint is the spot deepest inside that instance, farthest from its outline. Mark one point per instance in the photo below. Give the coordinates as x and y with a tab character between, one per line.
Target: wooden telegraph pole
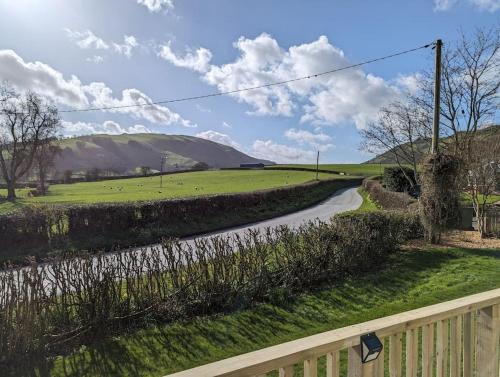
437	98
317	165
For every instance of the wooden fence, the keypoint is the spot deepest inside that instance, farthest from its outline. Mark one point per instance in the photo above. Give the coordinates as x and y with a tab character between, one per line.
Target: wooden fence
451	339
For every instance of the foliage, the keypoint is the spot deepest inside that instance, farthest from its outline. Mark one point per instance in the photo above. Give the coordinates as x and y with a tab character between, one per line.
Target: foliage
40	310
439	202
365	170
400	179
368	204
38	230
27	123
385	198
200	166
409	280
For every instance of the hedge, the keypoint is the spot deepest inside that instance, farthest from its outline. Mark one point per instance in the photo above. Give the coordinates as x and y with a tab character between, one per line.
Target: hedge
385	198
395	179
40	312
38	230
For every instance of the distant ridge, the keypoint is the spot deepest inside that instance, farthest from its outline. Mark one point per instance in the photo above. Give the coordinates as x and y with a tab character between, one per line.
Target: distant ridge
125	153
423	146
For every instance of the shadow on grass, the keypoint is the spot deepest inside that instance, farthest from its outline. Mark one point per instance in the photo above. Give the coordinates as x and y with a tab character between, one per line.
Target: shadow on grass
409	280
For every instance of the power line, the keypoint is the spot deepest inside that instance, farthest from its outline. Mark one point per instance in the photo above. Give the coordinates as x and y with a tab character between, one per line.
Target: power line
276	83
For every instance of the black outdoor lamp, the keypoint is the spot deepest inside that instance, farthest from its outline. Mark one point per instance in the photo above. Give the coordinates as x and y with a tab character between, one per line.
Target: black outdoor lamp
371	346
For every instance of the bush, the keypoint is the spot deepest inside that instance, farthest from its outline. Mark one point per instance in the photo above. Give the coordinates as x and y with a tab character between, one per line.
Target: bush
96	226
385	198
40	312
395	179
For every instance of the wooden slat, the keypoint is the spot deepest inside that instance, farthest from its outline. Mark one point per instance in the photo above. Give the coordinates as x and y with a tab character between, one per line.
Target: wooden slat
427	350
272	358
286	371
311	367
488	328
379	363
442	349
395	351
455	346
354	366
468	370
333	364
411	353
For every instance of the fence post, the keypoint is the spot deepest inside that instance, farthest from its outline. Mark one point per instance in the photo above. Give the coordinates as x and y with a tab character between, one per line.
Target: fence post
487	338
395	350
468	345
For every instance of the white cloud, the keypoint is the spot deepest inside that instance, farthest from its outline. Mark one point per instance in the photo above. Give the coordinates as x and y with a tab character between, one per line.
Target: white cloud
196	60
347	96
46	81
129	43
226	125
203	109
86	39
218	138
482	5
489	5
103	97
96	59
409	83
155	6
42	79
269	150
319	141
443	5
108	127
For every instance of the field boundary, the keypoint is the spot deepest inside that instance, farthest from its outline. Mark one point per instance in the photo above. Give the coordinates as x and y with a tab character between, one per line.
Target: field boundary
42	230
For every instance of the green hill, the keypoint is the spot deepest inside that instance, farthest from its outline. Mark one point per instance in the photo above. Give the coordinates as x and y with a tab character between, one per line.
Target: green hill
423	146
124	153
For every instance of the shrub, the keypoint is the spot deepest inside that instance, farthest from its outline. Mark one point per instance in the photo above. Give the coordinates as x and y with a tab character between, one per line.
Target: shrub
396	179
385	198
95	226
40	312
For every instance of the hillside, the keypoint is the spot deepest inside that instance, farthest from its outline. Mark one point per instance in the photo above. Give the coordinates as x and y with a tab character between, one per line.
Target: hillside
125	153
423	146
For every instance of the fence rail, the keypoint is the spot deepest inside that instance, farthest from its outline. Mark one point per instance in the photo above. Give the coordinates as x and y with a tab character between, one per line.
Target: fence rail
451	339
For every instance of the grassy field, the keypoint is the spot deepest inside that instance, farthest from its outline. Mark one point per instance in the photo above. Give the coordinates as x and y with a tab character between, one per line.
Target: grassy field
412	279
365	170
174	186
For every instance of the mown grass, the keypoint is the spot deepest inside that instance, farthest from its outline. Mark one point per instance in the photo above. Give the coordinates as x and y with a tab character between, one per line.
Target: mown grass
174	186
467	200
365	170
410	280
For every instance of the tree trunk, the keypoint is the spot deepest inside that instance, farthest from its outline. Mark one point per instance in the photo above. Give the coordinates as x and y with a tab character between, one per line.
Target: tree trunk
11	191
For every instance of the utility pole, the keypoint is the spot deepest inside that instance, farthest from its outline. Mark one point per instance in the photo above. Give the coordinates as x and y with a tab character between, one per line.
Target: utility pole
437	98
317	165
162	162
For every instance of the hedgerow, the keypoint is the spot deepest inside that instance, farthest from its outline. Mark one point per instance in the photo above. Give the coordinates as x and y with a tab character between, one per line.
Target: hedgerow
39	230
387	199
49	308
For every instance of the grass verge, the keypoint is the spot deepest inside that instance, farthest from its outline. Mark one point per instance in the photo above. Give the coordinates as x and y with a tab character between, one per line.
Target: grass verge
411	279
368	204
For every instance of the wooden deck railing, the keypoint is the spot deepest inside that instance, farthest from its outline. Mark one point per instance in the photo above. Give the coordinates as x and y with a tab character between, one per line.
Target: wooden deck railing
451	339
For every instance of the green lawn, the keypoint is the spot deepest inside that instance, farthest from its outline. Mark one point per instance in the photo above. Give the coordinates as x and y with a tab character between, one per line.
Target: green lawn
466	198
174	186
411	279
365	170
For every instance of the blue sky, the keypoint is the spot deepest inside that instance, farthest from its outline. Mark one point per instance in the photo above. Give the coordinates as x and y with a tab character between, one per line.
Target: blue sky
86	53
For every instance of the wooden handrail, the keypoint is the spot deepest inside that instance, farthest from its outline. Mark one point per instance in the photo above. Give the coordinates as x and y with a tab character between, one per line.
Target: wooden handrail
328	343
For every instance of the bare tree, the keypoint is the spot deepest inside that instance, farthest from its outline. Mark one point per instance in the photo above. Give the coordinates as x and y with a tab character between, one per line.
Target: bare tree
26	121
400	130
482	168
44	161
469	89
